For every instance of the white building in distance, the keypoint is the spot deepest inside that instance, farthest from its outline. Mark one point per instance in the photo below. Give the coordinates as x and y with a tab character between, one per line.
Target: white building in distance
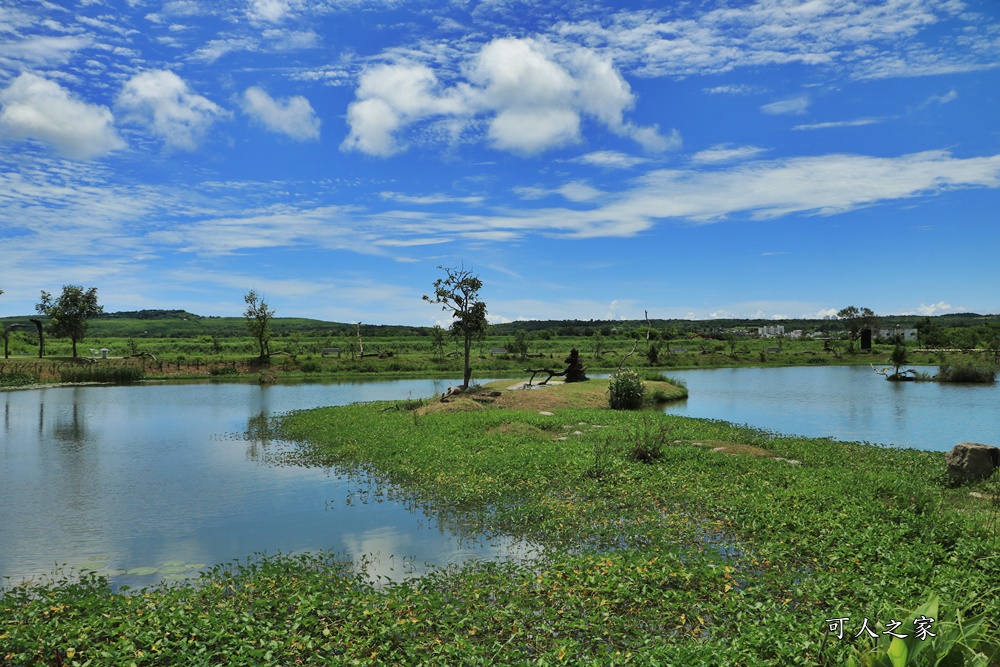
768	332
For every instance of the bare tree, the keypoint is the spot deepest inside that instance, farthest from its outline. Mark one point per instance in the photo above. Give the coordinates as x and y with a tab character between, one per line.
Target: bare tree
259	317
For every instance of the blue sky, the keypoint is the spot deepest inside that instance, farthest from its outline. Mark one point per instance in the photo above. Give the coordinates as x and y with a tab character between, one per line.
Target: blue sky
762	159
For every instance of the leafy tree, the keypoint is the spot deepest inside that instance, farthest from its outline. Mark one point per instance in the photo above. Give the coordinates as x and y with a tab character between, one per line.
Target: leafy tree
437	340
519	344
898	359
69	313
598	343
458	292
259	318
857	320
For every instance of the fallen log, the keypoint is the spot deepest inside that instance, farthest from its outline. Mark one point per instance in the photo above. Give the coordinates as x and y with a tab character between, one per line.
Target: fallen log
536	371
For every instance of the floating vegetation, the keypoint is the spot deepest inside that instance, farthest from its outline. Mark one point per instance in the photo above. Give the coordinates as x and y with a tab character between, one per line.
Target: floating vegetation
142	571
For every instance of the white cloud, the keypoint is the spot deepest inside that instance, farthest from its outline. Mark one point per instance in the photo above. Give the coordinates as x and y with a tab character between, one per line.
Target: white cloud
534	96
42	50
270	11
610	160
840	123
578	191
726	153
293	117
36	108
938	308
162	101
863	39
950	96
794	105
391	96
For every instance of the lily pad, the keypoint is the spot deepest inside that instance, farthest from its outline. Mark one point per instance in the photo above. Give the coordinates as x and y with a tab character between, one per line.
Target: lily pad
143	571
196	566
173	563
174	569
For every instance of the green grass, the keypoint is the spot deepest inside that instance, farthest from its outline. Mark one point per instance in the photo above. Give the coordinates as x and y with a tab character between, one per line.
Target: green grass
657	549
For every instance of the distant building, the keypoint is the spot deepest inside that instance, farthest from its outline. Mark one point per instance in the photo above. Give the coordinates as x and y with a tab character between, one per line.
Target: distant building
768	332
907	334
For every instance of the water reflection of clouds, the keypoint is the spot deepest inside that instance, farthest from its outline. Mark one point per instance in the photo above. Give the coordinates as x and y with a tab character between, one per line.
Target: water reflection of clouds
390	554
158	473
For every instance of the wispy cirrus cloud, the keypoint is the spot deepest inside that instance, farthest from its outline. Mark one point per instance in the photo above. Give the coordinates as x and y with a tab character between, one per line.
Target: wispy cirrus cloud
726	153
861	39
793	105
860	122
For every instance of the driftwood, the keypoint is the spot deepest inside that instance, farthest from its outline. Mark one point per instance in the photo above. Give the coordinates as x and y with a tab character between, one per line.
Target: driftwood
896	377
146	355
6	337
536	371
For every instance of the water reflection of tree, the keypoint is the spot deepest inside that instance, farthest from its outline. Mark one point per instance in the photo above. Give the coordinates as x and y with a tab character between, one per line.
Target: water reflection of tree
258	435
71	431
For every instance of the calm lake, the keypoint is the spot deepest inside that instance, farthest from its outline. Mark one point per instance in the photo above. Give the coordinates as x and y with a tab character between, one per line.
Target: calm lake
135	477
845	403
119	478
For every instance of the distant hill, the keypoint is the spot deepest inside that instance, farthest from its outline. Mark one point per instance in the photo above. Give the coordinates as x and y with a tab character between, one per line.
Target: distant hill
183	324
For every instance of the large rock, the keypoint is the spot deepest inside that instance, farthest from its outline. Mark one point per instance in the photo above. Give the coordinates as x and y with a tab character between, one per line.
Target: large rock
970	461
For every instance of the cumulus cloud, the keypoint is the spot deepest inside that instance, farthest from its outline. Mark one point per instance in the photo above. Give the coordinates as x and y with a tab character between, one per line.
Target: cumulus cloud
162	101
270	11
293	117
937	308
533	95
391	96
36	108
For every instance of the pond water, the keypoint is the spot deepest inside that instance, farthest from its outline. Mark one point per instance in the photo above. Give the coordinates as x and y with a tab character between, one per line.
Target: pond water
845	403
135	477
129	477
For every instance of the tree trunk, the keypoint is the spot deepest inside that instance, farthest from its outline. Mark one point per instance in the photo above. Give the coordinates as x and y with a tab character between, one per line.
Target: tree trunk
468	366
74	347
41	337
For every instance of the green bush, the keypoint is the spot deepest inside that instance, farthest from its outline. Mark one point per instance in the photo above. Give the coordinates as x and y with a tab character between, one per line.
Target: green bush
309	367
222	371
16	379
627	391
984	373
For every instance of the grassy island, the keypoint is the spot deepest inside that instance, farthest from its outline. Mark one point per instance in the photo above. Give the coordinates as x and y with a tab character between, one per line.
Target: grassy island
660	540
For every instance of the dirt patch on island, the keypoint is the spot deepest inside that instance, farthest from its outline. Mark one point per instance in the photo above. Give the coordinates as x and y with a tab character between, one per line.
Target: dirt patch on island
508	395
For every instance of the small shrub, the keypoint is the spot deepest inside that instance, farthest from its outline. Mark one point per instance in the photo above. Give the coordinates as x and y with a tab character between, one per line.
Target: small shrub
309	367
222	371
646	441
102	373
627	391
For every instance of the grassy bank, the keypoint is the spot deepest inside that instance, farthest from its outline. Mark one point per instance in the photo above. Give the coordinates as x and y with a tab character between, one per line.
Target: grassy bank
665	540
